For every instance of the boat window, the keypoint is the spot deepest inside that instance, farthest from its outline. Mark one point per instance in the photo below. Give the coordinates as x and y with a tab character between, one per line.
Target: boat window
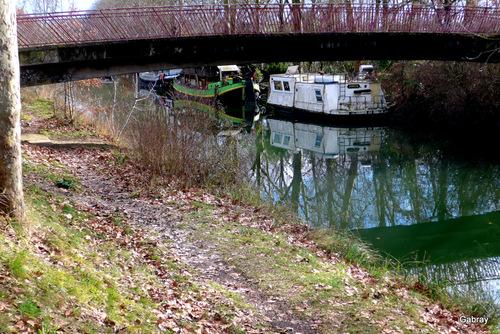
286	85
277	85
286	140
319	139
277	138
319	98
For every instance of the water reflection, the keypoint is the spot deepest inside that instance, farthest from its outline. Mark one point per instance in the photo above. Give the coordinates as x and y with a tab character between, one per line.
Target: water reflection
370	177
409	199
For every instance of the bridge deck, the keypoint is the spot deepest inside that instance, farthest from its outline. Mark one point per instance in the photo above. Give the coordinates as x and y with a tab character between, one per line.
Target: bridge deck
251	19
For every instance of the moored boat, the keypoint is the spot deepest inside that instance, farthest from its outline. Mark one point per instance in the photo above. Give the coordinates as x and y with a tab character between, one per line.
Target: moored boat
157	80
320	96
221	87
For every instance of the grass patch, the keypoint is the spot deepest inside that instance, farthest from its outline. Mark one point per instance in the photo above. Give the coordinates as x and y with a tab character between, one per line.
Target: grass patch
40	108
60	267
335	294
79	279
55	171
65	183
296	274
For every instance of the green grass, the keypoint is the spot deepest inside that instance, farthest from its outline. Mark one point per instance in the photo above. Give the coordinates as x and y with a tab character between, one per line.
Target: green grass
16	262
59	268
59	133
315	289
29	308
41	108
59	174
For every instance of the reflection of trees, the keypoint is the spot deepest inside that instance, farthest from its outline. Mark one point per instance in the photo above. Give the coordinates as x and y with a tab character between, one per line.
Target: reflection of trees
440	189
380	196
272	168
473	272
349	189
414	191
469	195
401	184
296	180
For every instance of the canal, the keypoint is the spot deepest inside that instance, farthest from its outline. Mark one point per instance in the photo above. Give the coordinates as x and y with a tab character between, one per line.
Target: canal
433	206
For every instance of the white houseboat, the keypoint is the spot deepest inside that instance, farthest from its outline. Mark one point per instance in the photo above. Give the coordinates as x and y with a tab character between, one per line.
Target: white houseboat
317	95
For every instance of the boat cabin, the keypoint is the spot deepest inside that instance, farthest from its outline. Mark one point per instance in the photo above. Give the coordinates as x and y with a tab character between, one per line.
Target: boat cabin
335	94
211	76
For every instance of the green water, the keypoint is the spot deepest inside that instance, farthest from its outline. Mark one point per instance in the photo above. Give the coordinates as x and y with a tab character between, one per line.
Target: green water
433	205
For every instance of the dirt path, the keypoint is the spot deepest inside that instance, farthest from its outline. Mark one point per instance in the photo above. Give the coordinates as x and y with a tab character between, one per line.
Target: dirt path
107	194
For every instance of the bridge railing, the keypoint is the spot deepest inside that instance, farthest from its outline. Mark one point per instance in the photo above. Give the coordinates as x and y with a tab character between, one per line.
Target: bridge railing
250	19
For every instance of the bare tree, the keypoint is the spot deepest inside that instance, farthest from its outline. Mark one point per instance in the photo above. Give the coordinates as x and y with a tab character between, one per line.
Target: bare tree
43	6
11	186
107	4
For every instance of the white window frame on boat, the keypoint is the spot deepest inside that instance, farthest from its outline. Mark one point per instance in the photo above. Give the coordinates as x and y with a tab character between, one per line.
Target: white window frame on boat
278	85
319	97
283	85
286	86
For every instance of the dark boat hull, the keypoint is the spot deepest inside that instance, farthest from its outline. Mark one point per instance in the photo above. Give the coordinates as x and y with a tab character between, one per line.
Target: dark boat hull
307	116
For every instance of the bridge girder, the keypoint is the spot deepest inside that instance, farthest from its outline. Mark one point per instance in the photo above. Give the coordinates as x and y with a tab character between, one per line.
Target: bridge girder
52	64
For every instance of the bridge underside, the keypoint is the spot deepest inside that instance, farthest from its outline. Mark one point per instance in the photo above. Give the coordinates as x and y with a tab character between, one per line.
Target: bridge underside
44	65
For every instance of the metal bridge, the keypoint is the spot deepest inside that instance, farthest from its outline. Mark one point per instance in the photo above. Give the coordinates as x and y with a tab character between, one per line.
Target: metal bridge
121	40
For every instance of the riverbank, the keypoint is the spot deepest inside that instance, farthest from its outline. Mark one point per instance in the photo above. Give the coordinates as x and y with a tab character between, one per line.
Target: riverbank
118	251
447	98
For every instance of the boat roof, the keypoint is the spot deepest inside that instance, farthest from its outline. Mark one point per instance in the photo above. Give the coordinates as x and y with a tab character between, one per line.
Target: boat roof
315	77
312	77
228	68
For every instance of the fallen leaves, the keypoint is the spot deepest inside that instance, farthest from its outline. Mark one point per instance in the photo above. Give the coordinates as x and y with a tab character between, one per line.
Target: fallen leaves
5	306
183	304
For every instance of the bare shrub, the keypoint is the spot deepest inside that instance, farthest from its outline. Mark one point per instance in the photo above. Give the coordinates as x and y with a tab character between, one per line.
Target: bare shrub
448	94
184	145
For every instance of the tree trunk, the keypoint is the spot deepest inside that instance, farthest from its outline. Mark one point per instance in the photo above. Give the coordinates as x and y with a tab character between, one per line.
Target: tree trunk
11	185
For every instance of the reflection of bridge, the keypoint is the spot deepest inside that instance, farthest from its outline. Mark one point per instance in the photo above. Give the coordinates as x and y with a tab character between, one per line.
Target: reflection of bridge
76	45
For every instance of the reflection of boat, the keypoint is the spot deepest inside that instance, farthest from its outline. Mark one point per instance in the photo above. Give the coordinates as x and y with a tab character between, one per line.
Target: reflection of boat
221	87
317	95
229	115
107	80
327	141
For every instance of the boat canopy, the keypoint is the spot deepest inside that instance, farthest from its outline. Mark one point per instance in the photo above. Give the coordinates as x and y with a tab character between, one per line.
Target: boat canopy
228	68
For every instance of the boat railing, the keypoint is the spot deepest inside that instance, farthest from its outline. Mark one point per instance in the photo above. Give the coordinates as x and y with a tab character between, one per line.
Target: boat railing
369	104
314	77
330	78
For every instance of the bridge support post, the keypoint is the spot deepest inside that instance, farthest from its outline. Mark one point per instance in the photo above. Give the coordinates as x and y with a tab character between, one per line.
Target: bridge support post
11	186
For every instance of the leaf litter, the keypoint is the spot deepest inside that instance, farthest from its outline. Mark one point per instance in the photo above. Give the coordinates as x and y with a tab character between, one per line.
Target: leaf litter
202	293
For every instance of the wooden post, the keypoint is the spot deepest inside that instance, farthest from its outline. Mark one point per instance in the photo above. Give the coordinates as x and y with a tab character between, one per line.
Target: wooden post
11	185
